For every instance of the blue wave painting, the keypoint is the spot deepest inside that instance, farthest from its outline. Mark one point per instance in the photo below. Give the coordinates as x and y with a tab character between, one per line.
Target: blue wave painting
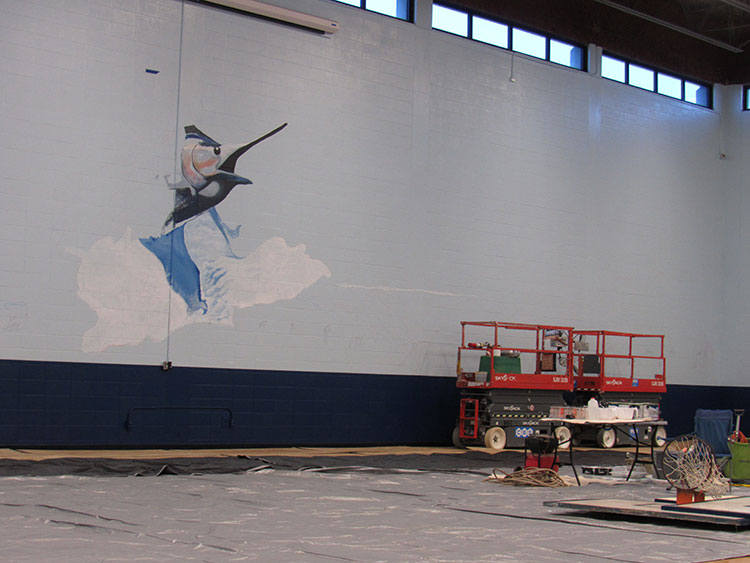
182	273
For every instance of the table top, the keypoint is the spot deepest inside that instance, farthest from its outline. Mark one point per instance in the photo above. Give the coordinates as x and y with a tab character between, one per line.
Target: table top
610	422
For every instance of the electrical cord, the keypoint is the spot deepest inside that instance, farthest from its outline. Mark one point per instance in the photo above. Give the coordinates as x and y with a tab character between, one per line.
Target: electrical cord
528	477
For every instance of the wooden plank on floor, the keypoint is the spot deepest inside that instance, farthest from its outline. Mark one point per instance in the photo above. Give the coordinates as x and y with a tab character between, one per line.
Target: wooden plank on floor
732	506
649	510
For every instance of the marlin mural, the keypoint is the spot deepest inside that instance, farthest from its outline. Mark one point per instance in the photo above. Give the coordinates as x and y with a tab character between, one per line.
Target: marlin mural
208	168
123	280
190	264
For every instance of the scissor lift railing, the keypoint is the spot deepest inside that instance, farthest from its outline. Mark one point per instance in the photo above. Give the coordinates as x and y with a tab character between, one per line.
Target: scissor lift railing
545	343
591	367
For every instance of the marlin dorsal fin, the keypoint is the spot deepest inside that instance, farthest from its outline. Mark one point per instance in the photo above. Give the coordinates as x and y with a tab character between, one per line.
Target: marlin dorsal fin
192	132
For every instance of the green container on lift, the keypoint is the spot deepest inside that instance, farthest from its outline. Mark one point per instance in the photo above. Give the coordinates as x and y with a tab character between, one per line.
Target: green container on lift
503	364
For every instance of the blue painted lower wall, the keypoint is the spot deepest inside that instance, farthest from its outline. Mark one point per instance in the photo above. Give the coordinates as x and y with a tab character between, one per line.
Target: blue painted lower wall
97	405
678	406
53	404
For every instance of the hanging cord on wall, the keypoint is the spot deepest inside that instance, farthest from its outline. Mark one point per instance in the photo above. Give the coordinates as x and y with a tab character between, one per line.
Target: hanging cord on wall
723	127
177	171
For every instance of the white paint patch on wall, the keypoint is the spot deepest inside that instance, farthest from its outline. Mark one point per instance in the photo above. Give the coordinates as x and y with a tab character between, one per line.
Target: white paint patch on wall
125	285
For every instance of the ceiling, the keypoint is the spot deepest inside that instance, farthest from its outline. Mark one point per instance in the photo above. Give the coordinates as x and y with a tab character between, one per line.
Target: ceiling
706	40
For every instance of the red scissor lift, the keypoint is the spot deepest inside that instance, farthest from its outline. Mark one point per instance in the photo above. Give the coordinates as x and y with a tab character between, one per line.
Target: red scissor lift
620	368
523	370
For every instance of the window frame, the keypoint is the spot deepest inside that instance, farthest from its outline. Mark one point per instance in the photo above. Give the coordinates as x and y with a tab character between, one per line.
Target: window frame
655	88
508	31
670	75
363	6
636	82
511	26
511	32
584	50
469	21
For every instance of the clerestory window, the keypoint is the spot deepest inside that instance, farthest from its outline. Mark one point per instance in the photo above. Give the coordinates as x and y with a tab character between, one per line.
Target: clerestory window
653	80
478	27
401	9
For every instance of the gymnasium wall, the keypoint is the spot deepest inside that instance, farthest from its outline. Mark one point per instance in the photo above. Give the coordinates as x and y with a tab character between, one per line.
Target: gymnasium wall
414	186
736	230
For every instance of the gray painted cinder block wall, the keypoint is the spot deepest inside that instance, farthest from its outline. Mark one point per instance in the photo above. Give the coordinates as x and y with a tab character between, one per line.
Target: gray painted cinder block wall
414	187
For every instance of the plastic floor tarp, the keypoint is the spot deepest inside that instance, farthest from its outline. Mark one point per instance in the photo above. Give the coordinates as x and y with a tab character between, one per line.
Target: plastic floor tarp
406	507
121	463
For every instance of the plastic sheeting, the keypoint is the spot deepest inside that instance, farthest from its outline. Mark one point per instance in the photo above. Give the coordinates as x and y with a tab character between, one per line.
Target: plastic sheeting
460	461
331	512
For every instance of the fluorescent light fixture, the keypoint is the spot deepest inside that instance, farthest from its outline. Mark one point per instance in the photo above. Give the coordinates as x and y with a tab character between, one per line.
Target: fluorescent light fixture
280	14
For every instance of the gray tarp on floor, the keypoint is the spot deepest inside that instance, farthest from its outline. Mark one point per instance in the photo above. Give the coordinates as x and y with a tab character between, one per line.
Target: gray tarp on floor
332	513
460	461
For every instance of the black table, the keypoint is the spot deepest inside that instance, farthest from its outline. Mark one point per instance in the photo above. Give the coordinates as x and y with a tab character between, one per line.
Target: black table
619	425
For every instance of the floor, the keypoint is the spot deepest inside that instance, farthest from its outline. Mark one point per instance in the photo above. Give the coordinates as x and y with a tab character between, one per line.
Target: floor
314	504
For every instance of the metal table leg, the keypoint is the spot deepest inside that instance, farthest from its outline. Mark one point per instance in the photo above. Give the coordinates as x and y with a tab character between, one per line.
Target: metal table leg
570	455
637	446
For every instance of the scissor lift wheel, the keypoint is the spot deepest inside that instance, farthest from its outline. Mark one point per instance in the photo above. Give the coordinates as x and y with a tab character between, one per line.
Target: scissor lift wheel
494	439
456	438
606	438
564	437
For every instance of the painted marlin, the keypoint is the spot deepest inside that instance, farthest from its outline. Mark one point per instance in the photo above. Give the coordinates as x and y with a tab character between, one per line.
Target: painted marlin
208	168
